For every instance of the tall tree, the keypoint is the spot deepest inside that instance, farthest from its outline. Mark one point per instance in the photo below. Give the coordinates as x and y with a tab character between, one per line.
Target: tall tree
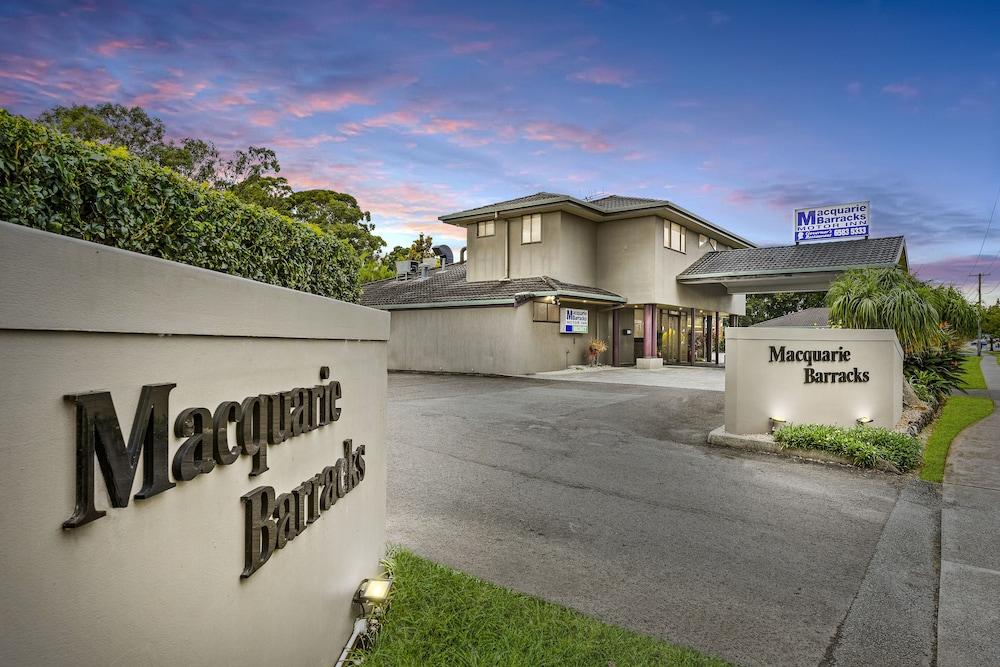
763	307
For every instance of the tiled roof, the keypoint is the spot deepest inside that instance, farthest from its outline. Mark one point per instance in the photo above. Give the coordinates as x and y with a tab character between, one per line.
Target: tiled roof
447	285
615	203
605	205
810	317
806	257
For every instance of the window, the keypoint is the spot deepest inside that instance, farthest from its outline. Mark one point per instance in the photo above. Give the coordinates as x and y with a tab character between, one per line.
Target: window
543	311
715	244
485	228
531	228
674	236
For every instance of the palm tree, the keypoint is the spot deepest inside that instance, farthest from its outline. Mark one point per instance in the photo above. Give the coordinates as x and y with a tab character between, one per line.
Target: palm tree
919	313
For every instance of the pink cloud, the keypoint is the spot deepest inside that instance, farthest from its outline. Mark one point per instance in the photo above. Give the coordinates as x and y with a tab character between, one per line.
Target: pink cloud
562	134
634	155
953	270
168	90
305	142
409	121
314	103
472	47
113	46
264	117
65	84
901	90
603	75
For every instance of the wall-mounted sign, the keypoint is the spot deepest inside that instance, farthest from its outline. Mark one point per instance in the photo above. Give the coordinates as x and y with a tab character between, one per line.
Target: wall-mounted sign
835	221
257	422
573	320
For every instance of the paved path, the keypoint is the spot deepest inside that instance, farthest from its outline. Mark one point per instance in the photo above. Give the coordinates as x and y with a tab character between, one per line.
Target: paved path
604	498
681	377
969	613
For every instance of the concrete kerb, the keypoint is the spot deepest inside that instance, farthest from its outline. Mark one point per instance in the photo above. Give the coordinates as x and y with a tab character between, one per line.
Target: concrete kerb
761	442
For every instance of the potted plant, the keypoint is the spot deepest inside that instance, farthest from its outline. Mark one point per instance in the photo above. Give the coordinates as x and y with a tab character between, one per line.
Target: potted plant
594	350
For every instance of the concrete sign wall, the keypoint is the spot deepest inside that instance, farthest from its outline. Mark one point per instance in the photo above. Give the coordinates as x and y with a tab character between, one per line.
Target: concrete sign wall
183	481
811	376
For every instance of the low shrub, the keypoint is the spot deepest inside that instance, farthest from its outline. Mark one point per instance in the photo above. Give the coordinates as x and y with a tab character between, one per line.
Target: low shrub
865	446
94	192
937	371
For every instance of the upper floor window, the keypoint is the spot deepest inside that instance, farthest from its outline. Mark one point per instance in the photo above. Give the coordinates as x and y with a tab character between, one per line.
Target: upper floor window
485	228
674	236
531	228
705	240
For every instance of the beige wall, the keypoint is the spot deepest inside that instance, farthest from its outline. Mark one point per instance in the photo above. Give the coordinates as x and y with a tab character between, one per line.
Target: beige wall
757	389
159	580
626	257
502	340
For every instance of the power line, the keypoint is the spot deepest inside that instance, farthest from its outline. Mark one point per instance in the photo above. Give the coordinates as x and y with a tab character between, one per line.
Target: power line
987	233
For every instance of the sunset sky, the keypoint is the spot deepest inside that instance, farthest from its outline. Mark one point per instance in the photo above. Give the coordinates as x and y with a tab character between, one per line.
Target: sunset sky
737	111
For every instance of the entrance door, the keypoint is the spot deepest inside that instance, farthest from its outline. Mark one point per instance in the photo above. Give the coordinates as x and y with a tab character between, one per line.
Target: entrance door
672	337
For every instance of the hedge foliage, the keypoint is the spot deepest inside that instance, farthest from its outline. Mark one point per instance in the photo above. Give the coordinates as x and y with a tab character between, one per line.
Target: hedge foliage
98	193
866	446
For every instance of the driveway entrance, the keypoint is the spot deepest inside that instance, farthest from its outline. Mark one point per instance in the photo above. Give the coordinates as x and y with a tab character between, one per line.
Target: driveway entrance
603	497
708	378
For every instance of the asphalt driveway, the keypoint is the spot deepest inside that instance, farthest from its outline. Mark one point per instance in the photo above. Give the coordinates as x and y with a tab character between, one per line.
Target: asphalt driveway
604	498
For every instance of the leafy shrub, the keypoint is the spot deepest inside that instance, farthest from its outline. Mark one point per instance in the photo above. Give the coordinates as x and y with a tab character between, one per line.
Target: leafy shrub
865	446
97	193
939	371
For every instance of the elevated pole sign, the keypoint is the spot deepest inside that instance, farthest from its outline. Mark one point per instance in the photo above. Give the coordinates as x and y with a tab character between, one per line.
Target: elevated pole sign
834	221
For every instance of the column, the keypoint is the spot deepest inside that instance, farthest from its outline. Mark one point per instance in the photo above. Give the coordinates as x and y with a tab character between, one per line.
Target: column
649	358
717	337
616	337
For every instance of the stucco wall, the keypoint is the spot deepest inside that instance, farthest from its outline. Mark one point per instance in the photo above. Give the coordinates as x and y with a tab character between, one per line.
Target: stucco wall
159	580
502	340
758	389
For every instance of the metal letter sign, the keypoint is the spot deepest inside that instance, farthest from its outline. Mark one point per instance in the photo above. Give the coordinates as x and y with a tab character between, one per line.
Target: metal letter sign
837	221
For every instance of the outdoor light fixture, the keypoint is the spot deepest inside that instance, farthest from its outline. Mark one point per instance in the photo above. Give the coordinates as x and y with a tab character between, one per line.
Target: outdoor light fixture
372	593
864	420
776	423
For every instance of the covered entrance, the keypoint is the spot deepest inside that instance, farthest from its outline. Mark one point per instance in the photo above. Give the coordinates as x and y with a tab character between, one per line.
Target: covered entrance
679	335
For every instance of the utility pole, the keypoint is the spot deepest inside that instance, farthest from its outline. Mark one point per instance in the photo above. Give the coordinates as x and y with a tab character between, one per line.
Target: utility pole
979	326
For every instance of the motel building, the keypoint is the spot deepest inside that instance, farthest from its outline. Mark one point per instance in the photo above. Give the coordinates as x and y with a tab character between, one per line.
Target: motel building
543	275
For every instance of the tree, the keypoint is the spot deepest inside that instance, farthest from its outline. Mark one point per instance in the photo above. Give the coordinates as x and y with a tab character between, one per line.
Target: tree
112	124
420	249
763	307
991	323
920	314
139	133
336	213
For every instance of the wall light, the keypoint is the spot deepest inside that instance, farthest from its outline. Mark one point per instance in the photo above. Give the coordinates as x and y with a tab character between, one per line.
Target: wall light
864	420
776	423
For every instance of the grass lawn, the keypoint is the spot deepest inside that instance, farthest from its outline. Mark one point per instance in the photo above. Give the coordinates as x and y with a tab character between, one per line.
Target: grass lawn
972	374
958	412
438	616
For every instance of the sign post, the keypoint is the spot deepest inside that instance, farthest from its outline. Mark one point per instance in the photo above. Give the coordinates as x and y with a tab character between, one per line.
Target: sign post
834	221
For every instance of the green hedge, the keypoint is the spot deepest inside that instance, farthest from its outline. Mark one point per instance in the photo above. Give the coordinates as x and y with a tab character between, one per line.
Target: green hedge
864	445
94	192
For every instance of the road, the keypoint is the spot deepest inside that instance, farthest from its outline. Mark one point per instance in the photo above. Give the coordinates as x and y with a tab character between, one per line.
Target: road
605	498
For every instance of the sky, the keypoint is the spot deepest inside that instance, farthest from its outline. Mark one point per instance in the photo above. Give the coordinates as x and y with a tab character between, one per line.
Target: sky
740	112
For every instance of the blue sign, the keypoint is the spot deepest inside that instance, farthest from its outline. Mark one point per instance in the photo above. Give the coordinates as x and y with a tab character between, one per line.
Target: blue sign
836	221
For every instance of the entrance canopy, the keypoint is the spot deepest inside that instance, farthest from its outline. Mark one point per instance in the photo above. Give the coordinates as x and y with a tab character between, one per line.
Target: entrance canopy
795	268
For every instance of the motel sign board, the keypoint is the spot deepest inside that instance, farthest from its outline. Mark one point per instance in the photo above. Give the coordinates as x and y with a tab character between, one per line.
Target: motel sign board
836	221
573	320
